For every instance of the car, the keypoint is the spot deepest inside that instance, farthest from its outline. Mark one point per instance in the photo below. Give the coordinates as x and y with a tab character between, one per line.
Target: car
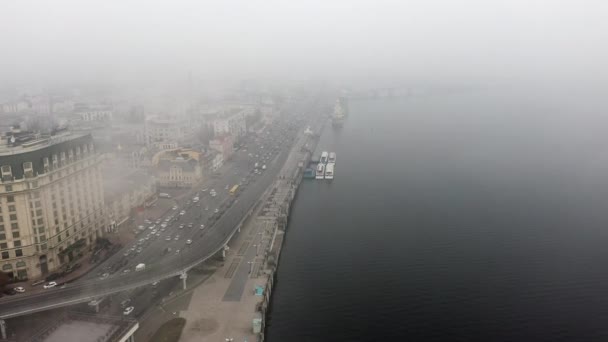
104	276
162	230
128	310
19	289
204	190
126	254
154	284
157	234
190	225
188	242
181	226
202	226
206	208
177	251
216	210
126	271
174	207
183	212
50	285
176	238
213	194
164	225
226	187
125	302
168	238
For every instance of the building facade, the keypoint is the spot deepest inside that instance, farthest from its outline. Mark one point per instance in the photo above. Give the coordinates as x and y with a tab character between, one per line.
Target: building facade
233	123
124	192
94	112
224	145
51	202
179	168
159	130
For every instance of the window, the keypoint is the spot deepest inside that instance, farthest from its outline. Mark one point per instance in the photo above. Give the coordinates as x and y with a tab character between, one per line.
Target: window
5	256
1	227
10	199
17	243
28	169
6	172
16	235
14	226
43	247
40	221
13	217
11	208
8	188
2	236
18	252
40	230
3	245
39	212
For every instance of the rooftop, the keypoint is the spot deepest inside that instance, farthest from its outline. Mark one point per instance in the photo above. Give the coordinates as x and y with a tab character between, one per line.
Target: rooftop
71	326
27	141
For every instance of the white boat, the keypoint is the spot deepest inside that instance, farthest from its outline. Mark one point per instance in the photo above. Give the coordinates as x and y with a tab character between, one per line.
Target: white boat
323	159
320	171
329	171
332	157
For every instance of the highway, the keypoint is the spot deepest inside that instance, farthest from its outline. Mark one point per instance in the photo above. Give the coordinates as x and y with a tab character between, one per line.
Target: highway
205	243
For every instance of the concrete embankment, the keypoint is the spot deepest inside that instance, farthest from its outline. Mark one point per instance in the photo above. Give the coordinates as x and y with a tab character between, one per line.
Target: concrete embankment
234	300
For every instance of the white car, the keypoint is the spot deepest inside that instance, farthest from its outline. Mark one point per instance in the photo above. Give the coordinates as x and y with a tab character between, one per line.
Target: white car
168	238
176	237
202	226
128	310
183	212
50	285
174	207
19	289
216	211
177	251
188	242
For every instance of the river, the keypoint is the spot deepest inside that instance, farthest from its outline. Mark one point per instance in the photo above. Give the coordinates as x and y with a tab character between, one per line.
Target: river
477	215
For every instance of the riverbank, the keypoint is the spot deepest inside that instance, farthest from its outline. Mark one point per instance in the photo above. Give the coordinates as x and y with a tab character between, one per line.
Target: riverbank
232	302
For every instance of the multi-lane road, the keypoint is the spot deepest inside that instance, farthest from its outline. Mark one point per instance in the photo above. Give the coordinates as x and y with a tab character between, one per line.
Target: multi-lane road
277	140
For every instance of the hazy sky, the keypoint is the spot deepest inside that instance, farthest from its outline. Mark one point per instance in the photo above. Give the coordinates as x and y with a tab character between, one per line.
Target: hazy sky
79	40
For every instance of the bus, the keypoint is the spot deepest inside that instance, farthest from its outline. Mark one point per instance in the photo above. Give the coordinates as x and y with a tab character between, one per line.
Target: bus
234	189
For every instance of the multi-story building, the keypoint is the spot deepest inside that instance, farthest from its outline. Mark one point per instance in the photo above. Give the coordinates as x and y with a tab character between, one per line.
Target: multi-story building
94	112
233	123
224	145
124	192
51	201
165	130
179	168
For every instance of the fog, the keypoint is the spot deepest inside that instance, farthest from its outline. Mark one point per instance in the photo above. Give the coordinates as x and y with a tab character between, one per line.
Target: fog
71	40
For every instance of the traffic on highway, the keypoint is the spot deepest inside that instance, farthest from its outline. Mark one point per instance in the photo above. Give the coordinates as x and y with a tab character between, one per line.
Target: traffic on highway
194	229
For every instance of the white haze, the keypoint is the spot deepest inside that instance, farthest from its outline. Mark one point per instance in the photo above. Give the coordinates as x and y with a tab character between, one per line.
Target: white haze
76	41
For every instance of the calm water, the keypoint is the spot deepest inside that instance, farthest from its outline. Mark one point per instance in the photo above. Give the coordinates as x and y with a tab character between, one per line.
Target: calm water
465	217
